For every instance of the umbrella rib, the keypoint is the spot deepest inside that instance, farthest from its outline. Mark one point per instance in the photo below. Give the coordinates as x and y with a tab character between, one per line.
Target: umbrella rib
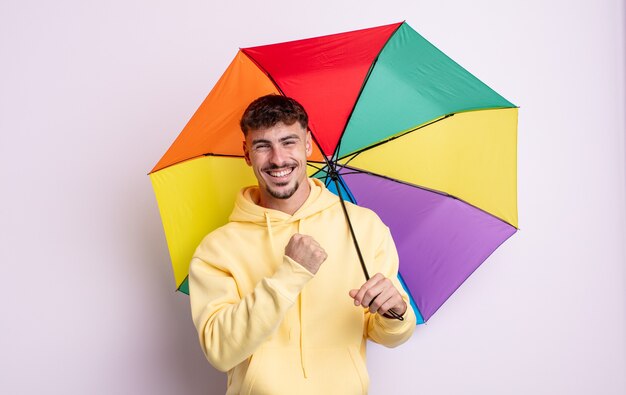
264	71
353	156
324	179
196	157
369	147
367	77
356	170
223	155
315	167
355	153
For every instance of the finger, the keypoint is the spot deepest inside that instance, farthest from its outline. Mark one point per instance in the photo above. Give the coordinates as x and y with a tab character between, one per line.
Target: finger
395	302
321	255
314	242
352	294
372	293
303	240
381	299
377	277
296	237
378	284
399	308
364	288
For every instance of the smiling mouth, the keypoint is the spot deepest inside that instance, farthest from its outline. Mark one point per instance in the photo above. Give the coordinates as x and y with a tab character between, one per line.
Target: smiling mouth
280	173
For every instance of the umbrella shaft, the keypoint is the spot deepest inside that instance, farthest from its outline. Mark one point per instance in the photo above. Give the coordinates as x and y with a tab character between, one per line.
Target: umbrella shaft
334	176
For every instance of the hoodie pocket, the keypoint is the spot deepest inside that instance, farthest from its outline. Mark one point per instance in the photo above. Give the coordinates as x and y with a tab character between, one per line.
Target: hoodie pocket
278	371
251	373
360	367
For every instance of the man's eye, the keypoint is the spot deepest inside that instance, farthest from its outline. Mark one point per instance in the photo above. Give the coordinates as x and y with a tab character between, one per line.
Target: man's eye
261	147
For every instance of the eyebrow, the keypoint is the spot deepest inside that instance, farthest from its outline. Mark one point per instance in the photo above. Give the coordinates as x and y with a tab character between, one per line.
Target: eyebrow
282	139
290	137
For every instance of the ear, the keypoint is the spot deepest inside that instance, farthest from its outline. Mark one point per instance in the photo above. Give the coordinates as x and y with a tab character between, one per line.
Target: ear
246	153
308	144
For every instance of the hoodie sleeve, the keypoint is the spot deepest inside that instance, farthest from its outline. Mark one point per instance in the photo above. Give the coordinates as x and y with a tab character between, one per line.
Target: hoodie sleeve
390	332
231	328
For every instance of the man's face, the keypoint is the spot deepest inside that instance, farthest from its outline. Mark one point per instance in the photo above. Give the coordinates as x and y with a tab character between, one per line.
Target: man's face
278	157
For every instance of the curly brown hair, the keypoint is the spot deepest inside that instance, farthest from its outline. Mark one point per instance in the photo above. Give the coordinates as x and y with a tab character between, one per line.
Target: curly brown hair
267	111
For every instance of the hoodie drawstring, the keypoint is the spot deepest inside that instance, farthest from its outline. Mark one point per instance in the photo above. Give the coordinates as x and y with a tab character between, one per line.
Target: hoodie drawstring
268	222
302	345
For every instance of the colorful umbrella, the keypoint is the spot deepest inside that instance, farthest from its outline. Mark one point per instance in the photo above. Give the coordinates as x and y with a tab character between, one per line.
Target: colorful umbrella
411	134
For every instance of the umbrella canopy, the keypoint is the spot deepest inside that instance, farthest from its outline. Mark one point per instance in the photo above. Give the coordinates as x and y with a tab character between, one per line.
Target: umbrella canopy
412	135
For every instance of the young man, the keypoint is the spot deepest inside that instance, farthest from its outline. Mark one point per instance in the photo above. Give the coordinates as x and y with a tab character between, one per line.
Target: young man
278	295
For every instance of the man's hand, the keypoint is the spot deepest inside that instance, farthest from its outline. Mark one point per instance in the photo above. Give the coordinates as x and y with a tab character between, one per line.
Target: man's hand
379	294
306	251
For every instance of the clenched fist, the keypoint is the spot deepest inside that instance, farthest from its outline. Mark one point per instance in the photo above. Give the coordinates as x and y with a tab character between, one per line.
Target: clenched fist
306	251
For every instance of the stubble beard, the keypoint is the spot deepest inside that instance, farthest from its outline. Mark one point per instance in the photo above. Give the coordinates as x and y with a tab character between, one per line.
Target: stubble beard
286	194
283	195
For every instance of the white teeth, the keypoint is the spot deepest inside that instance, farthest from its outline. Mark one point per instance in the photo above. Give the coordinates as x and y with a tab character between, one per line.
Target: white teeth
281	173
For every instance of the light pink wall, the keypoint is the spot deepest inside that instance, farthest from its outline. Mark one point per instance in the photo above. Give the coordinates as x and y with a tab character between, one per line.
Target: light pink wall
92	94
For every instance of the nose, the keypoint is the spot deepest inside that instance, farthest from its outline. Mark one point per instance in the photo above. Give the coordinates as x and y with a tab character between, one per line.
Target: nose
277	158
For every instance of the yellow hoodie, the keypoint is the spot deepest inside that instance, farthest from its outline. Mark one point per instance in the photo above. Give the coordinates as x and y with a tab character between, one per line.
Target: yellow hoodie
271	324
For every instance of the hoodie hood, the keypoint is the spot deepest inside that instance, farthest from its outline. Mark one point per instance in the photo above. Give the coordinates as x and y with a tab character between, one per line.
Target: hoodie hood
247	210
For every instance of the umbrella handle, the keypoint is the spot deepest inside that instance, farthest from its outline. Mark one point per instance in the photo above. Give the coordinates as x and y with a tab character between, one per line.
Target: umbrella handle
392	313
395	315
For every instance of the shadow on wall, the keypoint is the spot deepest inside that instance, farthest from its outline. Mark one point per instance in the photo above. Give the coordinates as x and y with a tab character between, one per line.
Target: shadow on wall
181	365
191	371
